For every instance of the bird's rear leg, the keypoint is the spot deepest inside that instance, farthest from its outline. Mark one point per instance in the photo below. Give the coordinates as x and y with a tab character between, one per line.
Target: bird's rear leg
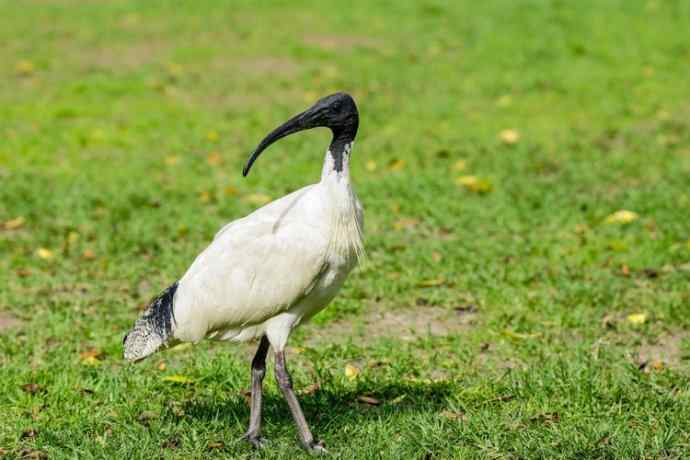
285	384
253	434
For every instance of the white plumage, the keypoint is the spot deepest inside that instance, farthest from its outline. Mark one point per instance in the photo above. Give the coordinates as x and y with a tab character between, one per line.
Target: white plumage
266	272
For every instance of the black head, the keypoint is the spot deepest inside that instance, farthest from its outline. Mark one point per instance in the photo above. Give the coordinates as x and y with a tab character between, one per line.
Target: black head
338	112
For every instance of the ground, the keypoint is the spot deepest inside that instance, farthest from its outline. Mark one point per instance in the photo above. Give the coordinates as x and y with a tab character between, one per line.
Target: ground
509	306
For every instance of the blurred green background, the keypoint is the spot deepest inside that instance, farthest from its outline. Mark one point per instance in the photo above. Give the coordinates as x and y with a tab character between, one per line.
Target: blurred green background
507	309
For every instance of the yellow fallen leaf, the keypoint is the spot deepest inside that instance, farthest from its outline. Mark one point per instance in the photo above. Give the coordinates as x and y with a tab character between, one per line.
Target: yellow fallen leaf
177	379
205	197
88	254
688	244
24	68
397	165
622	217
520	335
230	190
45	254
432	282
637	318
172	160
14	224
258	199
214	159
405	223
72	237
92	357
212	136
509	136
474	184
351	372
460	165
371	165
162	366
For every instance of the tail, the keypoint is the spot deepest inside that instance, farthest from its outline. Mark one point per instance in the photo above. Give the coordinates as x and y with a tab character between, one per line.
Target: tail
154	328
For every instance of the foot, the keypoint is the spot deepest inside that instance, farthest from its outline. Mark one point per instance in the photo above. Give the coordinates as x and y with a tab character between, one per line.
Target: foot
315	447
255	440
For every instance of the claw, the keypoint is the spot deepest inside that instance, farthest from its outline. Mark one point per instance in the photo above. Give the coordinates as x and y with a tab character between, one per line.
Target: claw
255	440
316	448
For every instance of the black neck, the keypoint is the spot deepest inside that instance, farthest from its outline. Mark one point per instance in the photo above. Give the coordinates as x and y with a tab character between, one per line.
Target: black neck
341	139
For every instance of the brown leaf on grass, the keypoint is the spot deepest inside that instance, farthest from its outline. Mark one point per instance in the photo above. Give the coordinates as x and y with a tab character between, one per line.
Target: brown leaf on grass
546	418
436	256
369	400
29	434
609	321
215	445
23	272
247	395
13	224
146	416
230	190
625	270
161	366
32	454
311	389
88	254
32	388
453	415
171	443
214	159
465	309
91	357
205	197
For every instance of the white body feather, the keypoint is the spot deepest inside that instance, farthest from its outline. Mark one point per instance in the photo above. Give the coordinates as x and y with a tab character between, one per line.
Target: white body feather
266	272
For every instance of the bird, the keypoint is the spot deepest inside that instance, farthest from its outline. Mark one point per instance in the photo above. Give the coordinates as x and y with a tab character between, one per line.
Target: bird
268	272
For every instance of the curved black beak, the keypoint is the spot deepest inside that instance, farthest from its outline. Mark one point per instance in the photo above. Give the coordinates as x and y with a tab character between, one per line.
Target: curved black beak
337	112
295	124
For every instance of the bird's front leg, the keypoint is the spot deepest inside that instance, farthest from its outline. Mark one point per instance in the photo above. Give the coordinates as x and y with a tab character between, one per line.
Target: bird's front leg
285	384
253	434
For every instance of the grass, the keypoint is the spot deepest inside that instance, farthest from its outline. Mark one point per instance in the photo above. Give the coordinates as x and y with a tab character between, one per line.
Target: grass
488	325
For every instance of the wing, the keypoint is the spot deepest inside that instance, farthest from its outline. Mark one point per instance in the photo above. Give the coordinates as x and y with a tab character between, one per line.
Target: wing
255	268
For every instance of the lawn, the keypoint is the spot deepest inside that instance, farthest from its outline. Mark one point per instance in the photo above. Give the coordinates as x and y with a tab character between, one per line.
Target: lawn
506	309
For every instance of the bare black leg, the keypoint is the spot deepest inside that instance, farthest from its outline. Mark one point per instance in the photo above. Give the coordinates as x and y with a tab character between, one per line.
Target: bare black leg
285	384
253	434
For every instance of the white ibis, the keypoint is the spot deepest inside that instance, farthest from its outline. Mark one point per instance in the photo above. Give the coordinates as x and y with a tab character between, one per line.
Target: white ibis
268	272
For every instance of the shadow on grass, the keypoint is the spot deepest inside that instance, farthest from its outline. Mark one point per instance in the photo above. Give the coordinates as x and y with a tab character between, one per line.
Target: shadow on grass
333	407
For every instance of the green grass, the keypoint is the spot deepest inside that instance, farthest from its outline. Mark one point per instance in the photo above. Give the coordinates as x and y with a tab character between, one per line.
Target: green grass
109	112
